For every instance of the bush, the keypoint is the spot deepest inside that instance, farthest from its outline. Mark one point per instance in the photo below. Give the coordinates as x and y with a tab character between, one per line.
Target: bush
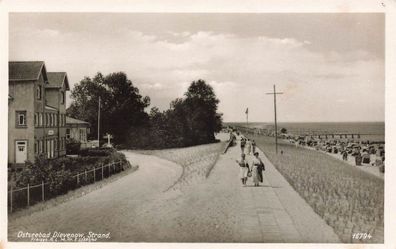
97	152
60	172
72	147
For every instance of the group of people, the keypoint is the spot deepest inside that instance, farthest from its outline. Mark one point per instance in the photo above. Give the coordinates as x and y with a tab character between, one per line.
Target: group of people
255	170
250	146
256	167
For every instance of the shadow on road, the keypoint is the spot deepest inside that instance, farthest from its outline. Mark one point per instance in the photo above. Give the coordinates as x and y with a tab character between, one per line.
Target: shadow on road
262	186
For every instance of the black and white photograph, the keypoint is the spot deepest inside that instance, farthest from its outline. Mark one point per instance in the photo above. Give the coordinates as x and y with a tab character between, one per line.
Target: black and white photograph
208	127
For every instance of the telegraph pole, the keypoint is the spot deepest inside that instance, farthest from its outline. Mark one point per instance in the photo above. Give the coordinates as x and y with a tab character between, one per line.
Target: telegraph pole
99	123
276	125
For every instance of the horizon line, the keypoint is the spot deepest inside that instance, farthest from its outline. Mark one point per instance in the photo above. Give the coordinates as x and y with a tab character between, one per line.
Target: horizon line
271	122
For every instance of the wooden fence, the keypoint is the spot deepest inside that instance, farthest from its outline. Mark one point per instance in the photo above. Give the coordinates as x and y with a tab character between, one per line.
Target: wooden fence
32	194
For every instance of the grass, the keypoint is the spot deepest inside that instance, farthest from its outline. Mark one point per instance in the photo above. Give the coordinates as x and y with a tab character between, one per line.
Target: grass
197	161
348	199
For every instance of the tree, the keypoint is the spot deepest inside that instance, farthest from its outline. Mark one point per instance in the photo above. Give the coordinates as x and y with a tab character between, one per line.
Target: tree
283	131
122	106
189	121
200	112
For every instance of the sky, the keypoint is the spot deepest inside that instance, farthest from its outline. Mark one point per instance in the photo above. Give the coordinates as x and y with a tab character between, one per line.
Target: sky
330	67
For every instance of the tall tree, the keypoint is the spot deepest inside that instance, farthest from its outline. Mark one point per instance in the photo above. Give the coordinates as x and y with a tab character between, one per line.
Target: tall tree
122	106
201	115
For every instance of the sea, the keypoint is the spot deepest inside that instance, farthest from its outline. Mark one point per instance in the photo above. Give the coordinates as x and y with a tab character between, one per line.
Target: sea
373	131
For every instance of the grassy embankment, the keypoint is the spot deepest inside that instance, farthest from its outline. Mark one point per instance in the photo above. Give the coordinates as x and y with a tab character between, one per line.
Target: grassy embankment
196	161
348	199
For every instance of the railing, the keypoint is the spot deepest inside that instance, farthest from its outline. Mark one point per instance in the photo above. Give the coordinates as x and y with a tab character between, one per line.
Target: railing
32	194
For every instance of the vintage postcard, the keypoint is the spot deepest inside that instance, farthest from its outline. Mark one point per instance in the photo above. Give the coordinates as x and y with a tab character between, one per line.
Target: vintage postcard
238	125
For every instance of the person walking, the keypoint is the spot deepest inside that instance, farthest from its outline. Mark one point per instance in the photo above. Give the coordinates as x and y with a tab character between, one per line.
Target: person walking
248	147
345	155
253	147
243	169
243	143
257	169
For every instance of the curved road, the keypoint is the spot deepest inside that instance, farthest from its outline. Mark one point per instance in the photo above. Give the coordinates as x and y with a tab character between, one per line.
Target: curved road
135	208
109	209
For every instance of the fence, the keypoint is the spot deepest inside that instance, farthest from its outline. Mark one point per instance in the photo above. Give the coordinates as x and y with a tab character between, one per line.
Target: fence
32	194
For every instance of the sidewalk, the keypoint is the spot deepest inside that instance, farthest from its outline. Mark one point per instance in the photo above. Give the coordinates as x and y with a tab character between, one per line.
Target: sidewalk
274	212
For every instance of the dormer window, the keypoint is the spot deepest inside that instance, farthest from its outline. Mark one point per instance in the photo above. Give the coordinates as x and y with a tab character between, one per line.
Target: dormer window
39	92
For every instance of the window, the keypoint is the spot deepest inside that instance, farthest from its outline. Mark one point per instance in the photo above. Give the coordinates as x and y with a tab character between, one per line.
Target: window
67	133
20	118
56	144
48	148
46	120
35	120
39	92
40	119
35	147
40	146
52	150
62	97
81	135
56	119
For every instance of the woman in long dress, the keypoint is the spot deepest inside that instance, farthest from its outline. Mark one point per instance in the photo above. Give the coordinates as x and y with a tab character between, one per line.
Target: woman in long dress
253	147
248	146
257	169
243	169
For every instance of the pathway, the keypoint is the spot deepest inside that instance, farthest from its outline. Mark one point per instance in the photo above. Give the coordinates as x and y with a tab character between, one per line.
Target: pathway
135	208
274	212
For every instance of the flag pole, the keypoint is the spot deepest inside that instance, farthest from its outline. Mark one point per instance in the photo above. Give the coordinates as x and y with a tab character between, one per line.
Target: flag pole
247	117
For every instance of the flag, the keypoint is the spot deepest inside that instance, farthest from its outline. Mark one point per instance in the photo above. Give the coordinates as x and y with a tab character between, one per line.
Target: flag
247	110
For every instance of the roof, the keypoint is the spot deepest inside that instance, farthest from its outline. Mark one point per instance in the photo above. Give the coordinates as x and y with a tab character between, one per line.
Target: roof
47	107
70	120
26	70
57	80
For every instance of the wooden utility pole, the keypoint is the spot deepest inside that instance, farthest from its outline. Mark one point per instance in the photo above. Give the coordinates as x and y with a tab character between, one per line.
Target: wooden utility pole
99	123
276	125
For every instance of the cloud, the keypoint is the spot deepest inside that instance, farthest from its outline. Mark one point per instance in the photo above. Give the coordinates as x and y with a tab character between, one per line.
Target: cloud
241	69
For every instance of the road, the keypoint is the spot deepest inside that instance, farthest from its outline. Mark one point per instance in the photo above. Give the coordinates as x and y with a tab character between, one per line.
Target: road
137	208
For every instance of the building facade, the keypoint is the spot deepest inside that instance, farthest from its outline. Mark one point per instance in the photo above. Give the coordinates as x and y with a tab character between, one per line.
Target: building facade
77	130
36	117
